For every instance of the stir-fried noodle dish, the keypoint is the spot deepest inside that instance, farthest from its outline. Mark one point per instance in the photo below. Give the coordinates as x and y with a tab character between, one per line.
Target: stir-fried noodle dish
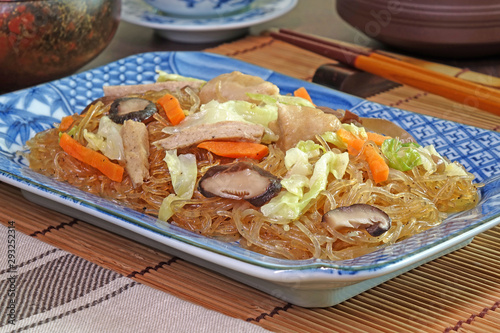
235	160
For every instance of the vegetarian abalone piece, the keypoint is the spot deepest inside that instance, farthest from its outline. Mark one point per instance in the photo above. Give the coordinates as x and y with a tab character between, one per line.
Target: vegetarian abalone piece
240	181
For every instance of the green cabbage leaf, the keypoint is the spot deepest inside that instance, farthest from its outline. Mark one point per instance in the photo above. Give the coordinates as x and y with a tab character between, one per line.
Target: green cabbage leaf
304	182
107	139
183	171
401	156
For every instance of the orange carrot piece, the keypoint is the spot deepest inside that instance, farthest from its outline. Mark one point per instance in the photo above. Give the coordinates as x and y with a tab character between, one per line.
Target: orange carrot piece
172	108
66	123
303	93
378	139
376	163
236	149
91	157
346	136
355	146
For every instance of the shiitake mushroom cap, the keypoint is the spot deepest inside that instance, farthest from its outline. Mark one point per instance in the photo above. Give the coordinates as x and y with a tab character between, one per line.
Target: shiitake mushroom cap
374	220
131	108
240	181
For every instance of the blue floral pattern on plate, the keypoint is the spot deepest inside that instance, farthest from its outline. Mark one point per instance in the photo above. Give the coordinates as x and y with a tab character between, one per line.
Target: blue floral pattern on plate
203	7
140	13
25	112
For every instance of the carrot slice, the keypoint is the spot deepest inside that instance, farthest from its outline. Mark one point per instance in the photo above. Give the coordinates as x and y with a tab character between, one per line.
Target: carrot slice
236	149
378	139
377	164
355	146
346	136
303	93
172	108
66	123
91	157
378	167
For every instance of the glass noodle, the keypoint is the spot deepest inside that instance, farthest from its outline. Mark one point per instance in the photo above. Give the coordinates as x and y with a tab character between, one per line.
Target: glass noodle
413	199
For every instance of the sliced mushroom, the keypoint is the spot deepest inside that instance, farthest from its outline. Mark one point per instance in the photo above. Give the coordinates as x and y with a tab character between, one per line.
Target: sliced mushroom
373	219
240	181
131	108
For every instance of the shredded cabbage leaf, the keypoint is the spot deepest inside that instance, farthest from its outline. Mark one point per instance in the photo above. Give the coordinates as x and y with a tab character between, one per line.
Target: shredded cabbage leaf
107	139
401	156
304	181
360	132
164	76
333	138
183	171
297	158
451	168
284	99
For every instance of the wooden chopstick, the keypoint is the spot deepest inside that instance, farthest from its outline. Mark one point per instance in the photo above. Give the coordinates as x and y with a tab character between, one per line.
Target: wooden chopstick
459	90
383	57
462	73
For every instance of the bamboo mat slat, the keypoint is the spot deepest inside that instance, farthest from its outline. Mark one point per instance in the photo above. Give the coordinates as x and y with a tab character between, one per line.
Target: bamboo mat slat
459	292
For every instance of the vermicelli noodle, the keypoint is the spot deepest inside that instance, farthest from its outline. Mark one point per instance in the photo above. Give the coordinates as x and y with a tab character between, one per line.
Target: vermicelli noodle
415	200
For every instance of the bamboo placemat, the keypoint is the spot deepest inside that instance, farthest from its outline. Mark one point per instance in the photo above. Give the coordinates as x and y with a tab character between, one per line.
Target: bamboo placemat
459	292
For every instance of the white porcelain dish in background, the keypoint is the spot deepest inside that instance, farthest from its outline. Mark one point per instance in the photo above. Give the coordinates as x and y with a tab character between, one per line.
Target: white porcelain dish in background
309	283
199	8
204	30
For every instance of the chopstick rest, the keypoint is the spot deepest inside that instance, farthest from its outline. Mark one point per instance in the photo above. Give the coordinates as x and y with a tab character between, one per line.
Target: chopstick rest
351	80
459	90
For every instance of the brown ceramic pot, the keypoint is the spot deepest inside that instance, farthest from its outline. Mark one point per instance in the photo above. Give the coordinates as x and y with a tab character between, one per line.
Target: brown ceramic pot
445	28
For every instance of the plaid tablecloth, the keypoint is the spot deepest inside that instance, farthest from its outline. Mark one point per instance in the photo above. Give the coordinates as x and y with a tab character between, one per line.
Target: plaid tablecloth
51	290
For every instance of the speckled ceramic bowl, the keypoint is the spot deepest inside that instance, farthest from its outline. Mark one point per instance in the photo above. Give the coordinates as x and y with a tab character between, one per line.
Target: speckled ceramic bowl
444	28
45	40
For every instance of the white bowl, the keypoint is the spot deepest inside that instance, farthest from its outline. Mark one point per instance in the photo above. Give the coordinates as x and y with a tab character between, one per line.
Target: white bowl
199	8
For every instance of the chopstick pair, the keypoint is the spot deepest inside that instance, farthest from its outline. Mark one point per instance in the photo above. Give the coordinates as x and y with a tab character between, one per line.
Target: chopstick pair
459	90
